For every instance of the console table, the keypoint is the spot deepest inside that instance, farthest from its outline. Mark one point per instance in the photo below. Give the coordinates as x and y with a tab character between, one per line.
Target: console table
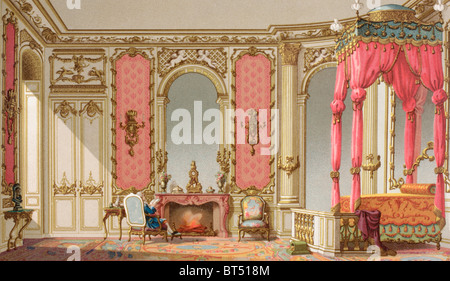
17	216
198	199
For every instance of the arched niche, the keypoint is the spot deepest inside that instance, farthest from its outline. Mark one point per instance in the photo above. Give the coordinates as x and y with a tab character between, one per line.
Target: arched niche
178	90
31	65
200	69
318	85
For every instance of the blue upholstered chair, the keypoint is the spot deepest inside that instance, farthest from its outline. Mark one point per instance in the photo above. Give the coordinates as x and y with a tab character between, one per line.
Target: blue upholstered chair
253	218
134	209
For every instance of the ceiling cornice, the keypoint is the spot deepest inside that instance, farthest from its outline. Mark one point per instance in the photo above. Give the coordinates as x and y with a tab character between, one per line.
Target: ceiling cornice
48	24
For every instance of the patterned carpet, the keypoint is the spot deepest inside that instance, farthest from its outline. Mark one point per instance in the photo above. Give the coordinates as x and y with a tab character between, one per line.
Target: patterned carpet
194	249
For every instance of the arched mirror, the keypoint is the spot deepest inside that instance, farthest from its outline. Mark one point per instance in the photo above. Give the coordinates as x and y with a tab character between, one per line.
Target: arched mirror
193	130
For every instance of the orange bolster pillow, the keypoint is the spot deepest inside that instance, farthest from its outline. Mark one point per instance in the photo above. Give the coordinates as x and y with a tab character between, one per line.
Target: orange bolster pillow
416	188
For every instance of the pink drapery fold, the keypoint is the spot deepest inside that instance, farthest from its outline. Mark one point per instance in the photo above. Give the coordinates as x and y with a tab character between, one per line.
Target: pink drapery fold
368	61
421	97
337	108
433	78
405	85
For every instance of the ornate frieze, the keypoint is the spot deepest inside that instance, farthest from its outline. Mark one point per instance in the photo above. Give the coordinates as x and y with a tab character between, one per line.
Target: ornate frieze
317	56
171	58
78	70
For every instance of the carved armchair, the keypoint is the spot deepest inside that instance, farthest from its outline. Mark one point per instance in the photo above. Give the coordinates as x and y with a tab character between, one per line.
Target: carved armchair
253	218
136	219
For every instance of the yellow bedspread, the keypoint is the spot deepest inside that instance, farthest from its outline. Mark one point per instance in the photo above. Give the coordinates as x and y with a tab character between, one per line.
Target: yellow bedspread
397	209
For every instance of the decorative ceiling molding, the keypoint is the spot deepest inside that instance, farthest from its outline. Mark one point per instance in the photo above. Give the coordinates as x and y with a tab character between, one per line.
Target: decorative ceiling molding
40	19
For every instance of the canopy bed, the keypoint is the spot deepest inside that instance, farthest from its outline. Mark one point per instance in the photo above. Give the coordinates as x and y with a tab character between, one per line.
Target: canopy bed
406	53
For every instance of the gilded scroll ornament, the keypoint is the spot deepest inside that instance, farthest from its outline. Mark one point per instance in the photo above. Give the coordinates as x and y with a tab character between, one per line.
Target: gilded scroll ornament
6	188
10	111
91	109
420	158
91	187
64	187
64	109
161	158
131	128
289	166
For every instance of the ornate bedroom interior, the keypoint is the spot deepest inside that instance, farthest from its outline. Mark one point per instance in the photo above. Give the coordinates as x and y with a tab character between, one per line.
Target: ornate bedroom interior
104	99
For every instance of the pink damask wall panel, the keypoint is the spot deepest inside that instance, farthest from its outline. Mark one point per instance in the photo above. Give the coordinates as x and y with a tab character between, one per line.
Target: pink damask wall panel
253	91
133	93
9	141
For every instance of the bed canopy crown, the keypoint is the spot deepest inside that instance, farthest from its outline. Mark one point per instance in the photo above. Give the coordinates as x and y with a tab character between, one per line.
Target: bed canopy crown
392	43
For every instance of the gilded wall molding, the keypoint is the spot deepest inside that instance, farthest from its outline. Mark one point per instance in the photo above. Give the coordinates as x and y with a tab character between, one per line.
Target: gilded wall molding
118	54
311	32
211	74
310	73
10	102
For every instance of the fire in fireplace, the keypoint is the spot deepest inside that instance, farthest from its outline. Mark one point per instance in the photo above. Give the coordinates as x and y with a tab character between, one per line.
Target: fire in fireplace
192	219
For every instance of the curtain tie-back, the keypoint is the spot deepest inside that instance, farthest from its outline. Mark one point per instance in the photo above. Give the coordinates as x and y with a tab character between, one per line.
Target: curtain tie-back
439	170
358	97
337	107
335	175
355	170
439	97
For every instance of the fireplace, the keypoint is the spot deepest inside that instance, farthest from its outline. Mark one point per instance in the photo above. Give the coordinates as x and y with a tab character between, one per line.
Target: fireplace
196	214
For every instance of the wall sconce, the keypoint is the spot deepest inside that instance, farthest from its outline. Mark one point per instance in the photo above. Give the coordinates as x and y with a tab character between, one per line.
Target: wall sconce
131	128
253	130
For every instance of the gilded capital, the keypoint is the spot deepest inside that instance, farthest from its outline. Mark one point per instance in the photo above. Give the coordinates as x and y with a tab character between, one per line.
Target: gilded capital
289	53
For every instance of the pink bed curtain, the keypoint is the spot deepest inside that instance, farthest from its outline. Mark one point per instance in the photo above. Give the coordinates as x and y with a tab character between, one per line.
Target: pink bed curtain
368	61
337	107
406	85
433	78
426	62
